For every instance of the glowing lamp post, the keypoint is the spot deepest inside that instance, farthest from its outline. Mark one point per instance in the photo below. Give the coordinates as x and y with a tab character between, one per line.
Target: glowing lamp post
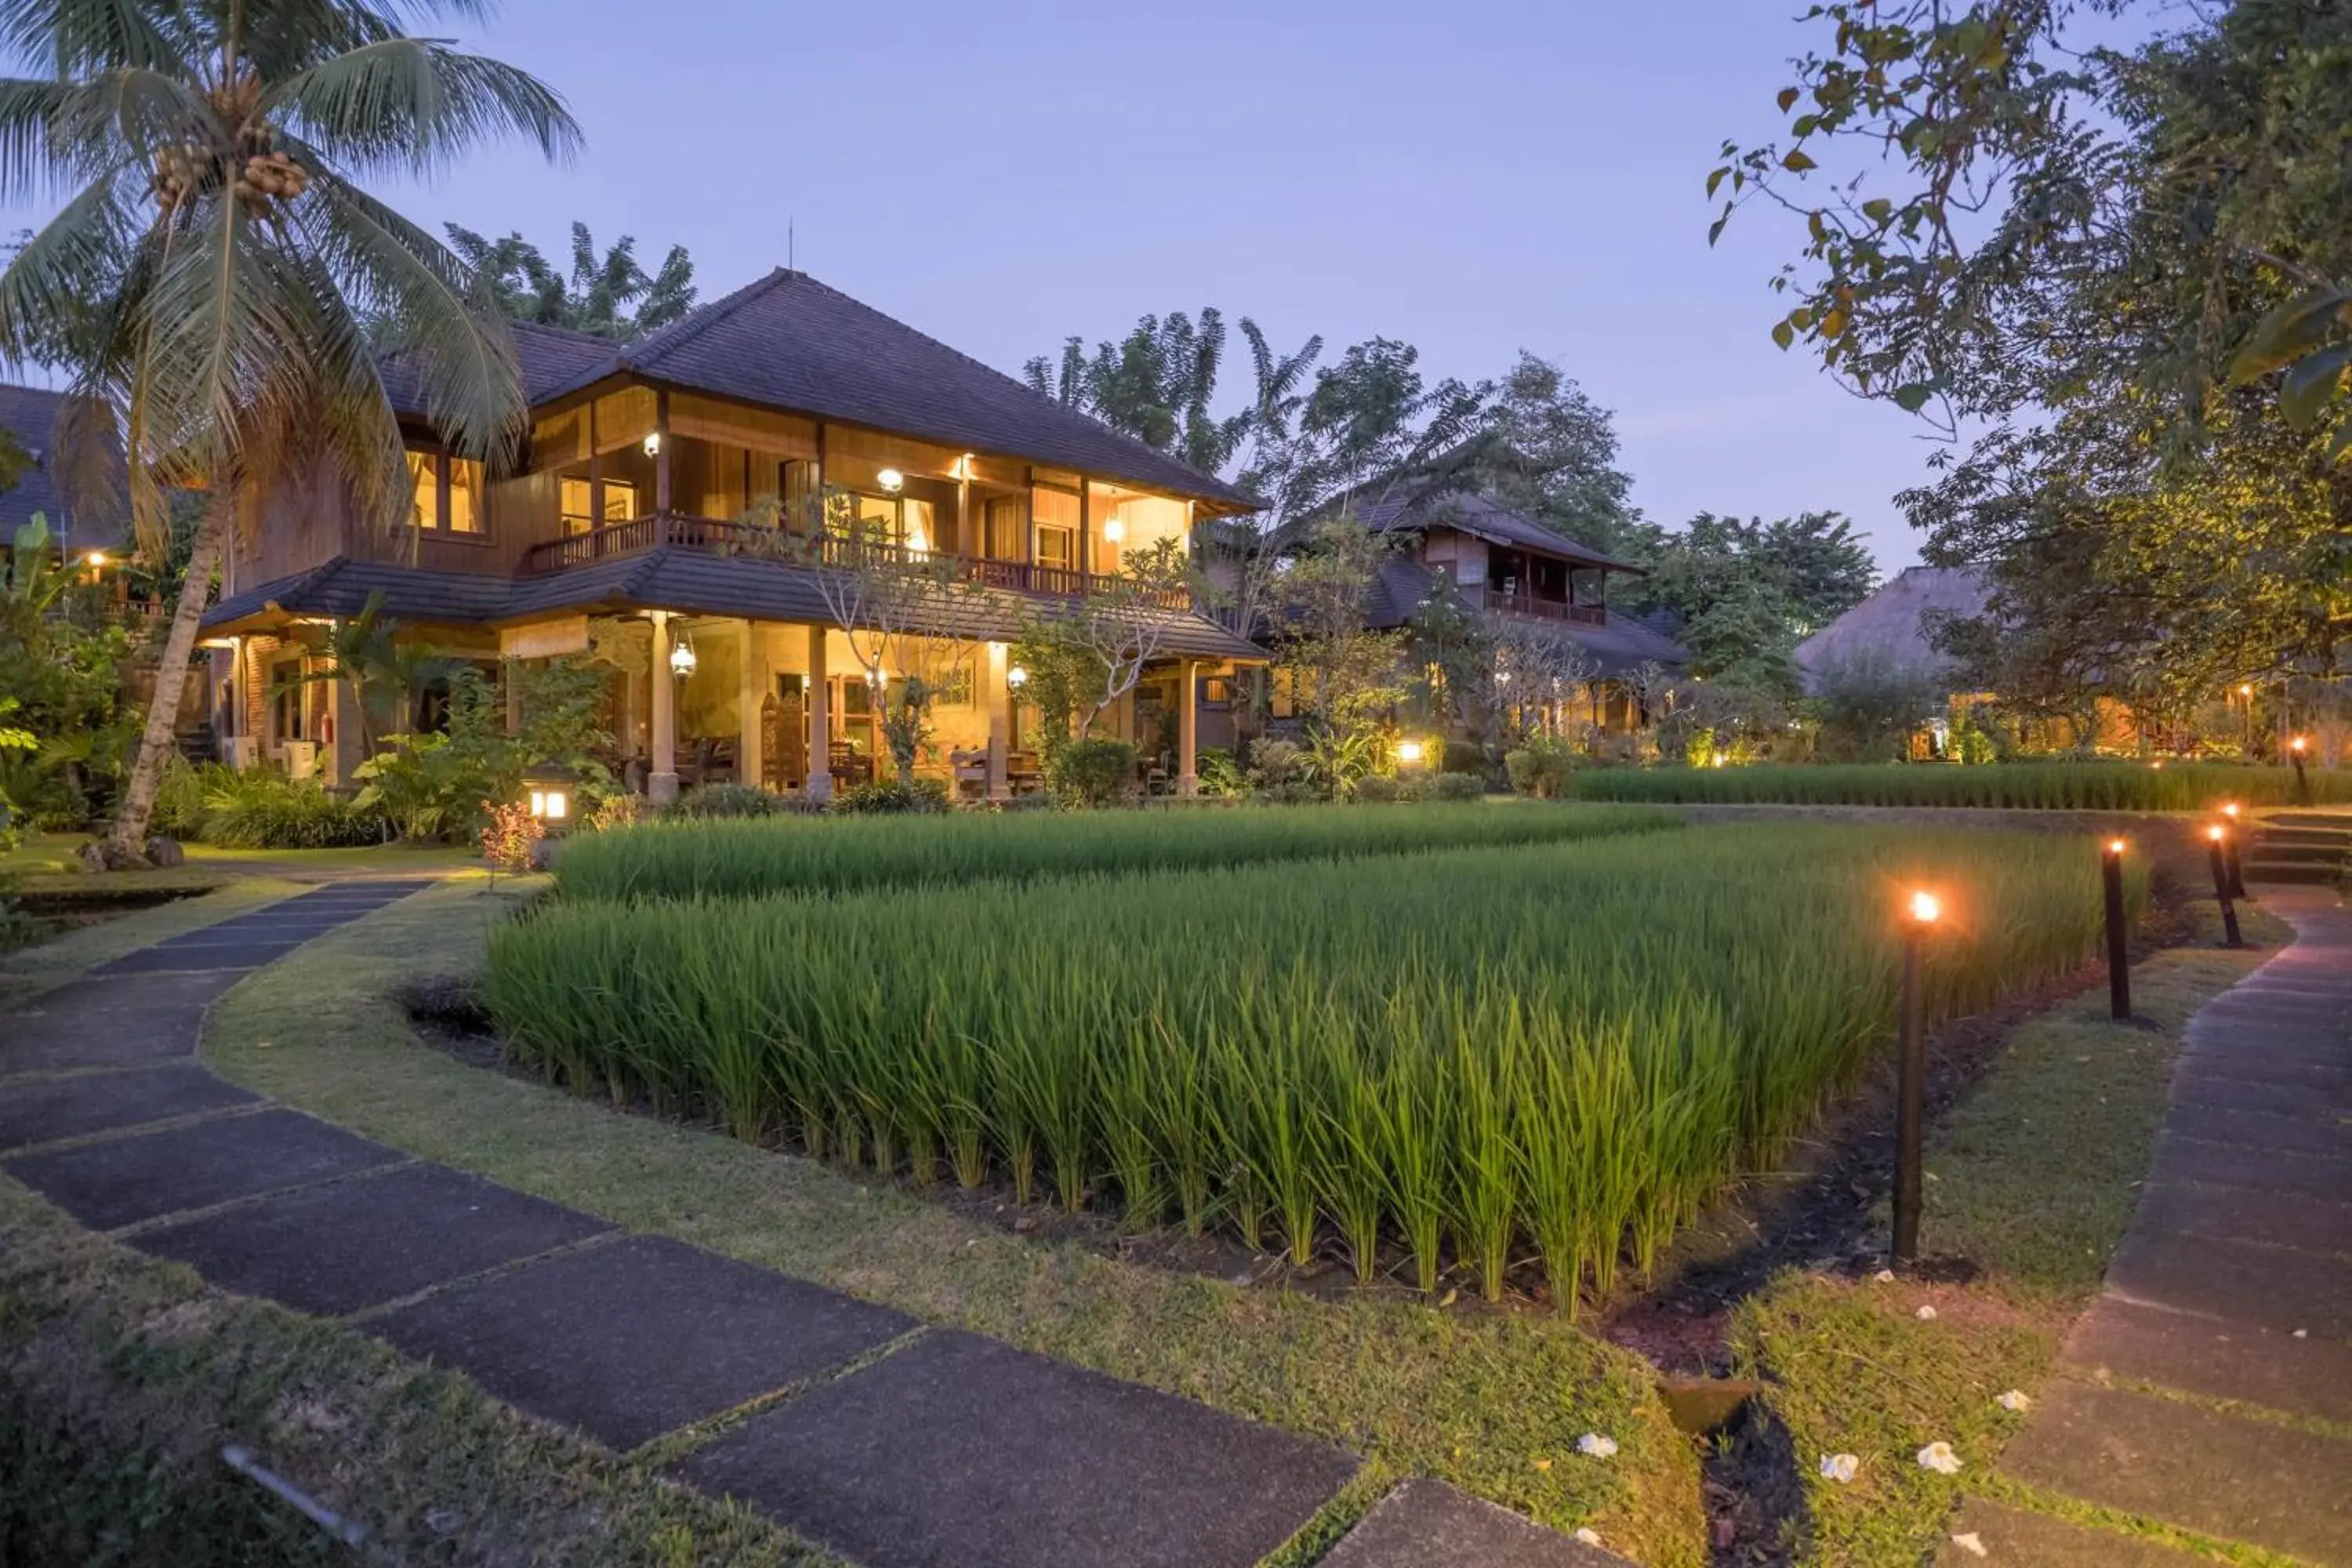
2216	839
1911	1088
2111	875
2295	751
1409	754
548	789
2229	851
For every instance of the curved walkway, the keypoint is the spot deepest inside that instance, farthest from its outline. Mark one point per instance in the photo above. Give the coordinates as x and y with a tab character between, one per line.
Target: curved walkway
2210	1387
900	1445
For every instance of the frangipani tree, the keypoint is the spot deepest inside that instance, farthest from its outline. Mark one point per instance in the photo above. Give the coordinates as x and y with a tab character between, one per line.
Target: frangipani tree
209	278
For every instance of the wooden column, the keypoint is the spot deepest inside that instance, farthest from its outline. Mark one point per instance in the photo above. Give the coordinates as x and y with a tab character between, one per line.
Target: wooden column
1000	720
1188	728
820	721
751	689
661	457
661	784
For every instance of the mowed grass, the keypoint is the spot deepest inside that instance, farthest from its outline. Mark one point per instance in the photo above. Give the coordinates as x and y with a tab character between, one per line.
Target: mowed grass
2033	1179
832	855
1561	1050
2025	786
1492	1402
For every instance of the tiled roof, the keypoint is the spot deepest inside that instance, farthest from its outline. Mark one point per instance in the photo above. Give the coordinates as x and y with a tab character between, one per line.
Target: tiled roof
30	415
790	342
549	359
1474	512
1623	643
691	581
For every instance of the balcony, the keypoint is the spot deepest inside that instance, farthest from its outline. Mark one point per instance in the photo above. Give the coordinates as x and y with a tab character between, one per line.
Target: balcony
1546	609
639	535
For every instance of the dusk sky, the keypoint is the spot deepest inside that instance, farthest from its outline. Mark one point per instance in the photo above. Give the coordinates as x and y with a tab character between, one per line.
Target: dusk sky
1474	178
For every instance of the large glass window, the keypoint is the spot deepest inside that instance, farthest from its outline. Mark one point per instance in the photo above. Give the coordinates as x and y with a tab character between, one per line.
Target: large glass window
445	493
579	504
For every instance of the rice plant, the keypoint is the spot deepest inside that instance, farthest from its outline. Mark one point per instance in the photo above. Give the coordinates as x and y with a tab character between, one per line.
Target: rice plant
832	854
1556	1049
2042	786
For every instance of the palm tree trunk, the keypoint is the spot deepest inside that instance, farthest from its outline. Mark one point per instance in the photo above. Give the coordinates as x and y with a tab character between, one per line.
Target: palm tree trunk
129	837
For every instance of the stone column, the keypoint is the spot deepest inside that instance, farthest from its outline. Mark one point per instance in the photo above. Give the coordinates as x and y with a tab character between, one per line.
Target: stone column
1188	728
661	784
999	696
747	743
820	721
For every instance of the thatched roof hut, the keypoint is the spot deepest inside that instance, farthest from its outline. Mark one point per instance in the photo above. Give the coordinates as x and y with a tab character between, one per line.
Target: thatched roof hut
1884	629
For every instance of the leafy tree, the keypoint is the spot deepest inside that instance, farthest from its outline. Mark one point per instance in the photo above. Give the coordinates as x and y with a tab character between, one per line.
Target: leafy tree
1868	705
1554	458
1156	384
215	269
1746	593
598	295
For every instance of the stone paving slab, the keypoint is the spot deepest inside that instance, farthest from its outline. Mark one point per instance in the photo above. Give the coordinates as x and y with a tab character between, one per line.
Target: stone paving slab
77	999
629	1341
2252	1482
337	1248
2238	1282
45	1109
2302	1049
2013	1538
2192	1088
1428	1525
2139	1344
2326	1132
46	1042
163	960
2309	1077
125	1180
2241	1214
960	1452
2179	1159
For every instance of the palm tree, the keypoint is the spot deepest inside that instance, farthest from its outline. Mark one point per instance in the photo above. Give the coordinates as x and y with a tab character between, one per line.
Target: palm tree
216	259
529	288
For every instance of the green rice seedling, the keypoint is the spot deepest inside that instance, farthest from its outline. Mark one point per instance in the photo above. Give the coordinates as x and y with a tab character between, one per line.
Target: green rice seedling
1568	1046
766	856
2033	787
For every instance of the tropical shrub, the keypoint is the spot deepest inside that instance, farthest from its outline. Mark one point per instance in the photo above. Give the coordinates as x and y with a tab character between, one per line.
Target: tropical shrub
1096	771
1564	1049
723	800
1381	790
510	835
1458	787
2053	787
1542	767
434	786
1217	771
891	797
261	810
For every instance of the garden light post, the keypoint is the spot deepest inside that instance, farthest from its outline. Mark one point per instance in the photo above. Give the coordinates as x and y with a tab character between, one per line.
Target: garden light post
2295	751
1911	1081
2215	837
2229	851
2111	873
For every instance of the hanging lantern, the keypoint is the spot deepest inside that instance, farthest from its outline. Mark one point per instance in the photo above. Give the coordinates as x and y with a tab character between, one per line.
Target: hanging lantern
681	659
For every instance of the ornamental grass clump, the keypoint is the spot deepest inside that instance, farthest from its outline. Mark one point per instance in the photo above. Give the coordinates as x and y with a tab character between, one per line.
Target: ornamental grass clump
1432	1062
2025	786
800	854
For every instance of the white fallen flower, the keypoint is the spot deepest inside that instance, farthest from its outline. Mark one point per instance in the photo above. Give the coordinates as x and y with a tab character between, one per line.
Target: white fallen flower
1841	1467
1939	1458
1588	1536
1885	1277
1926	1314
1595	1445
2015	1399
1972	1543
2303	1334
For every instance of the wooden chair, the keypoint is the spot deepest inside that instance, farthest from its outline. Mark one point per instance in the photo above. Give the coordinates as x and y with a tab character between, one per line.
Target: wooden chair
968	772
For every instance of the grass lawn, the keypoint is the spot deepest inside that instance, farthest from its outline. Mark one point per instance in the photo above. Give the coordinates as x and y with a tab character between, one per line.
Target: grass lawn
2033	1179
1494	1403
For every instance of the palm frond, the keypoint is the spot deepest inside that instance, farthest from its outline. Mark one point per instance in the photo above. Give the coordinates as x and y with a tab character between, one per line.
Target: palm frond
77	38
411	106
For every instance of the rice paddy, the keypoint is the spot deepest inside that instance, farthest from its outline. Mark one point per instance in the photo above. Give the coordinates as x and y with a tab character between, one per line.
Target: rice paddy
2030	786
1443	1064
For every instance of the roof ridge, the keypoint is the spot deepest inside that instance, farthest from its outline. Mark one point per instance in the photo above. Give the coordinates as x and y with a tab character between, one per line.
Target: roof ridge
702	317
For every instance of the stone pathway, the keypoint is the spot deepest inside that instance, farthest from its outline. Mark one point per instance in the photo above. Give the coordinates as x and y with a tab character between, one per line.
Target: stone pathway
896	1444
2210	1387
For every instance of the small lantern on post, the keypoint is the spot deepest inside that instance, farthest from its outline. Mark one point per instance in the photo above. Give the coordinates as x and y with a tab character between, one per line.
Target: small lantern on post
2296	749
1409	754
1911	1086
2111	869
2229	851
2216	837
551	789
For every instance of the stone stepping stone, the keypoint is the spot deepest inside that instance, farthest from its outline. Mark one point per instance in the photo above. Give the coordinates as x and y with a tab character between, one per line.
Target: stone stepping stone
337	1248
2266	1287
165	959
628	1341
123	994
960	1452
45	1042
2269	1367
48	1109
1428	1525
2243	1214
2180	1158
2252	1482
2309	1078
2286	1102
2013	1538
125	1180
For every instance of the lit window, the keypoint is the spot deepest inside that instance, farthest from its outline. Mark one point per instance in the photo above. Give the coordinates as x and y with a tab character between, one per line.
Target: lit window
464	511
423	490
577	505
445	493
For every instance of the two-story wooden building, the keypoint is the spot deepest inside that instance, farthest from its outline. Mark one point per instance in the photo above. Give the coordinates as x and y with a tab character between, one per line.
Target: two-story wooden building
622	535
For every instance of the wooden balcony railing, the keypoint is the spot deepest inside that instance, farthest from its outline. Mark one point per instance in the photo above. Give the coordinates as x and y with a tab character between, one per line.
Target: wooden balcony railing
1546	609
641	534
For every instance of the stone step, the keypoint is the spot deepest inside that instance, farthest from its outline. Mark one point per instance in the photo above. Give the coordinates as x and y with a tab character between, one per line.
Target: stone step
2322	873
2316	854
2341	819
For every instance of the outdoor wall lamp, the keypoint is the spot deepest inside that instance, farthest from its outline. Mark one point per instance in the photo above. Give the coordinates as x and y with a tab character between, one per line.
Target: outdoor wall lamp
1114	528
652	444
1016	678
891	480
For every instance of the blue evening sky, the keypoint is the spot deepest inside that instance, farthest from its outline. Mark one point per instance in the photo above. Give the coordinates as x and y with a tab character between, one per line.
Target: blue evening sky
1474	177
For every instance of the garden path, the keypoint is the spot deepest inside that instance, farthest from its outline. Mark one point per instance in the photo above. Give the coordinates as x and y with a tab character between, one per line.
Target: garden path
895	1443
2210	1387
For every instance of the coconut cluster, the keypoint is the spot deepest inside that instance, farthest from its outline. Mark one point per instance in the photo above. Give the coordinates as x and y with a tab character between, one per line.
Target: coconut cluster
253	171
